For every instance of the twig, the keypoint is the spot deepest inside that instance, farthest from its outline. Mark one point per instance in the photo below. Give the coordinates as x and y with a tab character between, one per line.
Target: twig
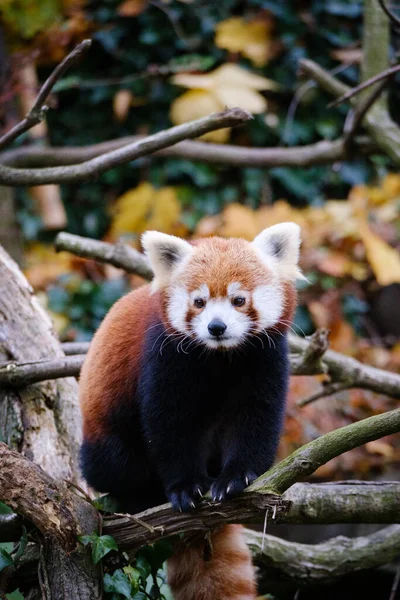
395	585
307	459
393	18
37	112
95	166
73	348
119	255
365	84
360	111
327	389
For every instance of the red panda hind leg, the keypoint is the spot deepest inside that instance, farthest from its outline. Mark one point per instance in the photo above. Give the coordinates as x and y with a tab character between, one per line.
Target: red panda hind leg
228	575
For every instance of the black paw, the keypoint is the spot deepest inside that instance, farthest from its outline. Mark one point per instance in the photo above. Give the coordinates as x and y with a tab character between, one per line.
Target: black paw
185	498
228	485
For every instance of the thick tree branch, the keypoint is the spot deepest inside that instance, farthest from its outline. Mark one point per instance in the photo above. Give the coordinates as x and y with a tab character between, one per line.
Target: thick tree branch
38	110
324	152
22	374
326	562
343	502
95	166
307	459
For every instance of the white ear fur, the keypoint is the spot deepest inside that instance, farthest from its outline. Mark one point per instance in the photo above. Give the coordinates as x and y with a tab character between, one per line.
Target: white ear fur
165	252
281	243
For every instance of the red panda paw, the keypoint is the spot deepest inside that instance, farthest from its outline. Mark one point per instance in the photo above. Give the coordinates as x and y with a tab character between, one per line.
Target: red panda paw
186	497
228	485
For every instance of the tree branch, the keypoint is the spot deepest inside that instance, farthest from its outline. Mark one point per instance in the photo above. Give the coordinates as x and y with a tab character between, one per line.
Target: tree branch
19	375
388	73
324	152
118	255
307	459
341	369
95	166
38	110
343	502
326	562
393	18
383	131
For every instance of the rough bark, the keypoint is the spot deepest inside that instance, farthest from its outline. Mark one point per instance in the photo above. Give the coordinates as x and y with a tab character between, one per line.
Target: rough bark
61	516
343	502
323	563
43	420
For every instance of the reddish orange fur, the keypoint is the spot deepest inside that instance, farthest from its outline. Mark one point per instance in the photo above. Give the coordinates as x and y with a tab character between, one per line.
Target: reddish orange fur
110	368
229	575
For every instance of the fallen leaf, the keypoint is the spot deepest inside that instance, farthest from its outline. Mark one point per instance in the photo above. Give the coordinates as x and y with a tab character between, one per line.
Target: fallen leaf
384	260
121	104
195	104
379	447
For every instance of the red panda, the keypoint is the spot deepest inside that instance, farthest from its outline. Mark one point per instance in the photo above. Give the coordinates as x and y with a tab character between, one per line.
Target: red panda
184	386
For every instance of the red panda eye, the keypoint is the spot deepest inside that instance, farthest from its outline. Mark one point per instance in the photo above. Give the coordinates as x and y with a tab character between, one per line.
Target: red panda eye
239	301
199	302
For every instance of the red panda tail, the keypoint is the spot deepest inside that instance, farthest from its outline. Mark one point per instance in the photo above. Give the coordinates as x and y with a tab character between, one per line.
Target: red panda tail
226	574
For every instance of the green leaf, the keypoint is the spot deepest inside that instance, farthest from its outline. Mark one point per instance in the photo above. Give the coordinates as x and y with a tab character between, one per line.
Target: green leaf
101	545
133	575
106	503
118	583
143	565
5	559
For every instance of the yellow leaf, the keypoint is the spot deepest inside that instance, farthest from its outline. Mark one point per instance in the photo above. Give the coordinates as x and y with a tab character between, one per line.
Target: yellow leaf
227	86
145	207
251	38
226	74
391	185
195	104
384	260
121	104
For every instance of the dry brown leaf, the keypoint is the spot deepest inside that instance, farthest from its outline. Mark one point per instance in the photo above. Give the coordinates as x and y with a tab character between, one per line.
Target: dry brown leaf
132	8
384	260
121	104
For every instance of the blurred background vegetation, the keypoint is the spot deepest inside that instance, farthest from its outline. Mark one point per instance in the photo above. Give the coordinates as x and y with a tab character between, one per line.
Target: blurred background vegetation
154	63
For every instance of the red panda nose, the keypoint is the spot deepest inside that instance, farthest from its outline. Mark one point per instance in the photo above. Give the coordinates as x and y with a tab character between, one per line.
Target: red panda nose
216	327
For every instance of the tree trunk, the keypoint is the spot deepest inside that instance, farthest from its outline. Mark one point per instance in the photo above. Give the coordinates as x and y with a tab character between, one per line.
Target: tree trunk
42	420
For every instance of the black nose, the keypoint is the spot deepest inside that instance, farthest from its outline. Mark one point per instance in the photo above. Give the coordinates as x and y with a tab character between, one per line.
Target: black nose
216	327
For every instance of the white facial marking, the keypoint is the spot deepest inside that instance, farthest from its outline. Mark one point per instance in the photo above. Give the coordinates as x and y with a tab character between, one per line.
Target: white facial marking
177	308
237	324
268	302
202	292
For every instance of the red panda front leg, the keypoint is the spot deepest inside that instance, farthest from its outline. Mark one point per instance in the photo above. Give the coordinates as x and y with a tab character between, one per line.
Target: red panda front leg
251	447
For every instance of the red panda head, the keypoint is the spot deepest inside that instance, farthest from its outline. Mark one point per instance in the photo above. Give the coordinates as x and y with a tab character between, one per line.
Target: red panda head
222	291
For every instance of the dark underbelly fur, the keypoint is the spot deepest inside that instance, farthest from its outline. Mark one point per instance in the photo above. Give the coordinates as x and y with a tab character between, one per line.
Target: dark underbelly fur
198	419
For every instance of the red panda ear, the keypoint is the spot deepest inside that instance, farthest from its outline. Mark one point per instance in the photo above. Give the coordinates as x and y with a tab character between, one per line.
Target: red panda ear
281	244
165	253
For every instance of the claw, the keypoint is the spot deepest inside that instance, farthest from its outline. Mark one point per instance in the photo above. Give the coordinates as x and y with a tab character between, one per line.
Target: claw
247	480
229	487
198	490
192	504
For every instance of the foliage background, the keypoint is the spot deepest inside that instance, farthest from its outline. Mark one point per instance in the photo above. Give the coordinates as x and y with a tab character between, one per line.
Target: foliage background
128	84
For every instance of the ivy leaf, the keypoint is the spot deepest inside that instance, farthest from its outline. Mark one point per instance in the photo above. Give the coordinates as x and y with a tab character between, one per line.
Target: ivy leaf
118	583
5	559
106	503
101	545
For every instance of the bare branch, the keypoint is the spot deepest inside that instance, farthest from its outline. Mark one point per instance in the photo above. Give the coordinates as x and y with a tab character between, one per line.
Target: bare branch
323	152
345	370
95	166
327	389
73	348
393	18
119	255
21	374
327	561
307	459
365	84
38	110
